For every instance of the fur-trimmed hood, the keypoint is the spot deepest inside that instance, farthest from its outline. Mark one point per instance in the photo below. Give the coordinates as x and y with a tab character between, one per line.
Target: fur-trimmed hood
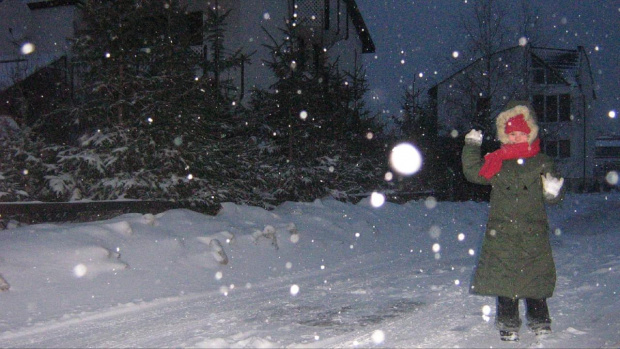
515	108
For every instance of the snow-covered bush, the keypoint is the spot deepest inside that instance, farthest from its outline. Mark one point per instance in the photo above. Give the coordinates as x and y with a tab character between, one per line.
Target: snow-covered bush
23	167
129	163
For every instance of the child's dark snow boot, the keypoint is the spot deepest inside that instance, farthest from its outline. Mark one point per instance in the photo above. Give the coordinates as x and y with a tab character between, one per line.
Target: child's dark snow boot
538	316
507	318
542	330
509	336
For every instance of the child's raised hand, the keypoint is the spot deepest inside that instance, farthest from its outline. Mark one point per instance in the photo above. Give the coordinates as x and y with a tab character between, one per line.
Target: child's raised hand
552	185
474	137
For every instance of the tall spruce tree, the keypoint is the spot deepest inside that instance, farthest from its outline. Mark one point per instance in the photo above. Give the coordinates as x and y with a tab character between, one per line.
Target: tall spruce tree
313	124
313	103
148	104
417	123
135	67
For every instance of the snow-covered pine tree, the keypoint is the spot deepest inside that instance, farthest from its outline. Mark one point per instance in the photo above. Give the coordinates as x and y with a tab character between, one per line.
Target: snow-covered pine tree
137	68
417	122
148	113
23	168
310	123
419	126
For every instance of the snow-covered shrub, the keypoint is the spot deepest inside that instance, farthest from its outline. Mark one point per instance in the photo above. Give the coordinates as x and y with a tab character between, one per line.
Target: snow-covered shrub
23	167
129	163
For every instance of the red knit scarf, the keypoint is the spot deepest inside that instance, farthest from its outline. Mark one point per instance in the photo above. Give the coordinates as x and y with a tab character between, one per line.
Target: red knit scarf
493	161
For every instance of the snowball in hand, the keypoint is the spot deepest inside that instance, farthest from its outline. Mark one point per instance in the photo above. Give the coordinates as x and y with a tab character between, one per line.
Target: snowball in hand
405	159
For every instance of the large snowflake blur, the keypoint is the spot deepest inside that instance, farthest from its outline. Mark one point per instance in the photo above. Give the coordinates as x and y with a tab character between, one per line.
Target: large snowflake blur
405	159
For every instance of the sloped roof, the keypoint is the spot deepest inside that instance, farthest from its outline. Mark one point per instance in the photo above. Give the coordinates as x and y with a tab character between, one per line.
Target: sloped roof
558	58
368	46
15	70
472	63
567	63
564	62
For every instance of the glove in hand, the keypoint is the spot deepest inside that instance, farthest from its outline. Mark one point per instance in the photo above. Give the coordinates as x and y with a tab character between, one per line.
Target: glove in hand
474	137
552	185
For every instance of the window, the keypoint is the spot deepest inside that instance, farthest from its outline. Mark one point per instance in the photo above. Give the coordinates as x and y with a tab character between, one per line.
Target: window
552	108
564	107
551	148
151	28
543	75
195	24
326	24
539	75
564	151
483	108
311	13
608	152
538	103
557	149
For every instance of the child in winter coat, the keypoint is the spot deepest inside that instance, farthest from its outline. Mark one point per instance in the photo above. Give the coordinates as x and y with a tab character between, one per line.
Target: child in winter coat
515	259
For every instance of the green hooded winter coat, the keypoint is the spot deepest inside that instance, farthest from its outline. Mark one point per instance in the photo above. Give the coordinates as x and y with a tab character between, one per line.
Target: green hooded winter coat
515	259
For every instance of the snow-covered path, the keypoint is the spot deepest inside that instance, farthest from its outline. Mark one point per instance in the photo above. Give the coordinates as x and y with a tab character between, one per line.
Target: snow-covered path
366	278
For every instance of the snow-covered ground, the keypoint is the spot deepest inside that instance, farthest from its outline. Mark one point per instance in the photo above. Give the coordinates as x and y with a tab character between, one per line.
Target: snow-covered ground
306	275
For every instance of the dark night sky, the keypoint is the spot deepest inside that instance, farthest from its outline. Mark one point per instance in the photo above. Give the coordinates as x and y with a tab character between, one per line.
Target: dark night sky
419	36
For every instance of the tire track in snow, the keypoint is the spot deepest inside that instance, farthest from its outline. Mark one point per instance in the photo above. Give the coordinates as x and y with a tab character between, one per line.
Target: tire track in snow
72	330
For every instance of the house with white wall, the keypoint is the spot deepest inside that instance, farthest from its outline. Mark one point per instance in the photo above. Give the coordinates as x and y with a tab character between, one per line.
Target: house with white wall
36	34
557	82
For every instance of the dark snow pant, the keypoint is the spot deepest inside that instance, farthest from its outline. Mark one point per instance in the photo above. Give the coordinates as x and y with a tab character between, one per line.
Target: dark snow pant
507	316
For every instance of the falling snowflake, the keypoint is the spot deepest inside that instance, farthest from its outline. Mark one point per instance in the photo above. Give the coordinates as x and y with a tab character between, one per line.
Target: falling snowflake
378	337
377	199
294	290
27	48
80	270
612	177
430	202
486	313
405	159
